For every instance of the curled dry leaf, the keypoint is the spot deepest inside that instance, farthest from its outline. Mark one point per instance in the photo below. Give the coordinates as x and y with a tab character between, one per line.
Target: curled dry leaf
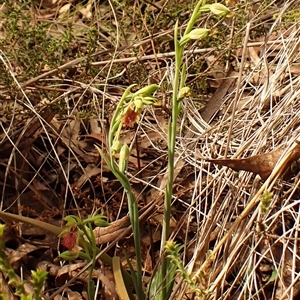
22	251
261	164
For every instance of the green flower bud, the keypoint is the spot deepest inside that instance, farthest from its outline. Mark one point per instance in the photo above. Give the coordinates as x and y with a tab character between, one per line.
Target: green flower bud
138	102
199	33
219	9
184	92
124	156
116	147
195	34
147	90
70	255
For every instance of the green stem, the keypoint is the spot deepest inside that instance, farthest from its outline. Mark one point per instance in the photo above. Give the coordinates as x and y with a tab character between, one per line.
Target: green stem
134	219
171	156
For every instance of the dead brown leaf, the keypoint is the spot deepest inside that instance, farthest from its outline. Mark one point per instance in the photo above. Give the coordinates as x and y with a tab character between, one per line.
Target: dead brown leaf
216	100
261	164
22	251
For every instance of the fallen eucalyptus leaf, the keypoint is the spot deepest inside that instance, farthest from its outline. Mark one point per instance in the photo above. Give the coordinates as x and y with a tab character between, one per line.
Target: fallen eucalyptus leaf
261	164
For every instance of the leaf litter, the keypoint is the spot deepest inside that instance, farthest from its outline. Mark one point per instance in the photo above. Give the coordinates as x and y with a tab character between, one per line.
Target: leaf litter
55	154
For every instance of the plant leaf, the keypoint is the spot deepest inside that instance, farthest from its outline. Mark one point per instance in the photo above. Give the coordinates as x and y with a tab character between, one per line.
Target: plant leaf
120	285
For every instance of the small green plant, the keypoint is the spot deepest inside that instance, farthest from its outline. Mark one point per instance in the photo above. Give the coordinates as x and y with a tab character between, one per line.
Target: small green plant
77	236
82	230
265	202
173	253
38	277
198	285
32	46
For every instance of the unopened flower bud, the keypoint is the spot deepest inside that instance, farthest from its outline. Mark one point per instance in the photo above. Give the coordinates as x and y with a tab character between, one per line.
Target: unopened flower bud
69	255
124	156
138	102
199	33
184	92
220	10
116	147
147	90
195	34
